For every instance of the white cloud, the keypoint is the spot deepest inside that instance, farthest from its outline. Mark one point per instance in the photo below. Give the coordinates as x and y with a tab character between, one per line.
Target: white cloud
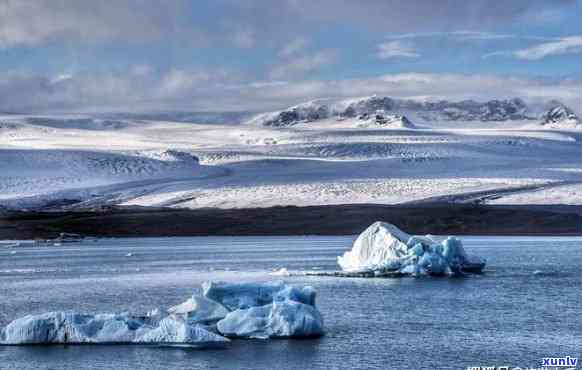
32	22
424	15
396	49
219	90
304	64
178	81
464	35
293	47
567	45
35	22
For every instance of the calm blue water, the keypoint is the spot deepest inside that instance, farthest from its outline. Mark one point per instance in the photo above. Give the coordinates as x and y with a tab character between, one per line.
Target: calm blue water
527	306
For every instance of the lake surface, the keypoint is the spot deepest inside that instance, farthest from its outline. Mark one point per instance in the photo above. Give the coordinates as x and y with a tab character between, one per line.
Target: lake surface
527	306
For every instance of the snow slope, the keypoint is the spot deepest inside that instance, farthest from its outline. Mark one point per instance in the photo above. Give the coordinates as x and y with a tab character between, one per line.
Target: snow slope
89	161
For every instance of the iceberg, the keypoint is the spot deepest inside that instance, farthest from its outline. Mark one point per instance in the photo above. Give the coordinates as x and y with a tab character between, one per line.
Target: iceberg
282	319
176	331
76	328
241	310
199	310
384	249
269	310
245	295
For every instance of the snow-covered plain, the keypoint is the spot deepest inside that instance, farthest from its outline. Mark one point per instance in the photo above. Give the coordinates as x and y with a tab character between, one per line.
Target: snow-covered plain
87	161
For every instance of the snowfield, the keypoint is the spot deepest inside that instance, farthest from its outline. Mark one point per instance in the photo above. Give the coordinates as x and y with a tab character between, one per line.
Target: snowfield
324	157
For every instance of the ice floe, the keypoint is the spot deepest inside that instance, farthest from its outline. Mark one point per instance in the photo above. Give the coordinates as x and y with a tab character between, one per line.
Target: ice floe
384	249
76	328
241	310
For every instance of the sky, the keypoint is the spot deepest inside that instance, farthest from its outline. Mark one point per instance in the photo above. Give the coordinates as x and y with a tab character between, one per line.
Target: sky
259	55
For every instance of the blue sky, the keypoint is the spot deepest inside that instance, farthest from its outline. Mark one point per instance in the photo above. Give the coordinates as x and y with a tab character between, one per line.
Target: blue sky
146	55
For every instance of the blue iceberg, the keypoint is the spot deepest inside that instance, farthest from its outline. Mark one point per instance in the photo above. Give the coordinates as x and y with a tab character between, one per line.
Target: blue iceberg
241	310
384	249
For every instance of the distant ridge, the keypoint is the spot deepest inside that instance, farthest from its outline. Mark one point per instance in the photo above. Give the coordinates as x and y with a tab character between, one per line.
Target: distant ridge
443	110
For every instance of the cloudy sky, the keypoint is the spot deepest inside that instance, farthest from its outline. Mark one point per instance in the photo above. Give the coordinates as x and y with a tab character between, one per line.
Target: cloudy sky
216	55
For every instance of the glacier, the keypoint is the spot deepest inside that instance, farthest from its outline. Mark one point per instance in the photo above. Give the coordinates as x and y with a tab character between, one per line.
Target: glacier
239	310
384	249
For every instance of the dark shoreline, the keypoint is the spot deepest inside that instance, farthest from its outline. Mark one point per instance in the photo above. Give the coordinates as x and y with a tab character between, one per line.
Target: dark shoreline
314	220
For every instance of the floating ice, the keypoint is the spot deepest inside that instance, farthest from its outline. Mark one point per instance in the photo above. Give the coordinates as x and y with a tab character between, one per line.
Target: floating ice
75	328
244	295
199	310
267	310
257	310
385	249
280	319
173	330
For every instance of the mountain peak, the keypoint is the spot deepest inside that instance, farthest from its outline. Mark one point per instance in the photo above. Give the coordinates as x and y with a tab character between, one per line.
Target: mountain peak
560	115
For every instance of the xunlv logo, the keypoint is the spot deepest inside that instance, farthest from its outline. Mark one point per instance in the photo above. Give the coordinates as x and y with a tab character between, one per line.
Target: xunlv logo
560	361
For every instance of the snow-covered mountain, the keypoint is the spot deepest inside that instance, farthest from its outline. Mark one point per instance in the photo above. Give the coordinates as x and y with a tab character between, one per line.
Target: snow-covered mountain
470	110
305	112
361	150
443	110
561	116
382	119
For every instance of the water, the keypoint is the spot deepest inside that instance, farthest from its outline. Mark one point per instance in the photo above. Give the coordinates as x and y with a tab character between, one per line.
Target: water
526	307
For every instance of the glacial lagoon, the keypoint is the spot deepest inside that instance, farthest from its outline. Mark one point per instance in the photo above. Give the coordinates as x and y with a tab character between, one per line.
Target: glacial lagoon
526	305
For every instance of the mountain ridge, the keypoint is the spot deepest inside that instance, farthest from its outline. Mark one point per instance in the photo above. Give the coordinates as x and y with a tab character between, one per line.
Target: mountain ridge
443	110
